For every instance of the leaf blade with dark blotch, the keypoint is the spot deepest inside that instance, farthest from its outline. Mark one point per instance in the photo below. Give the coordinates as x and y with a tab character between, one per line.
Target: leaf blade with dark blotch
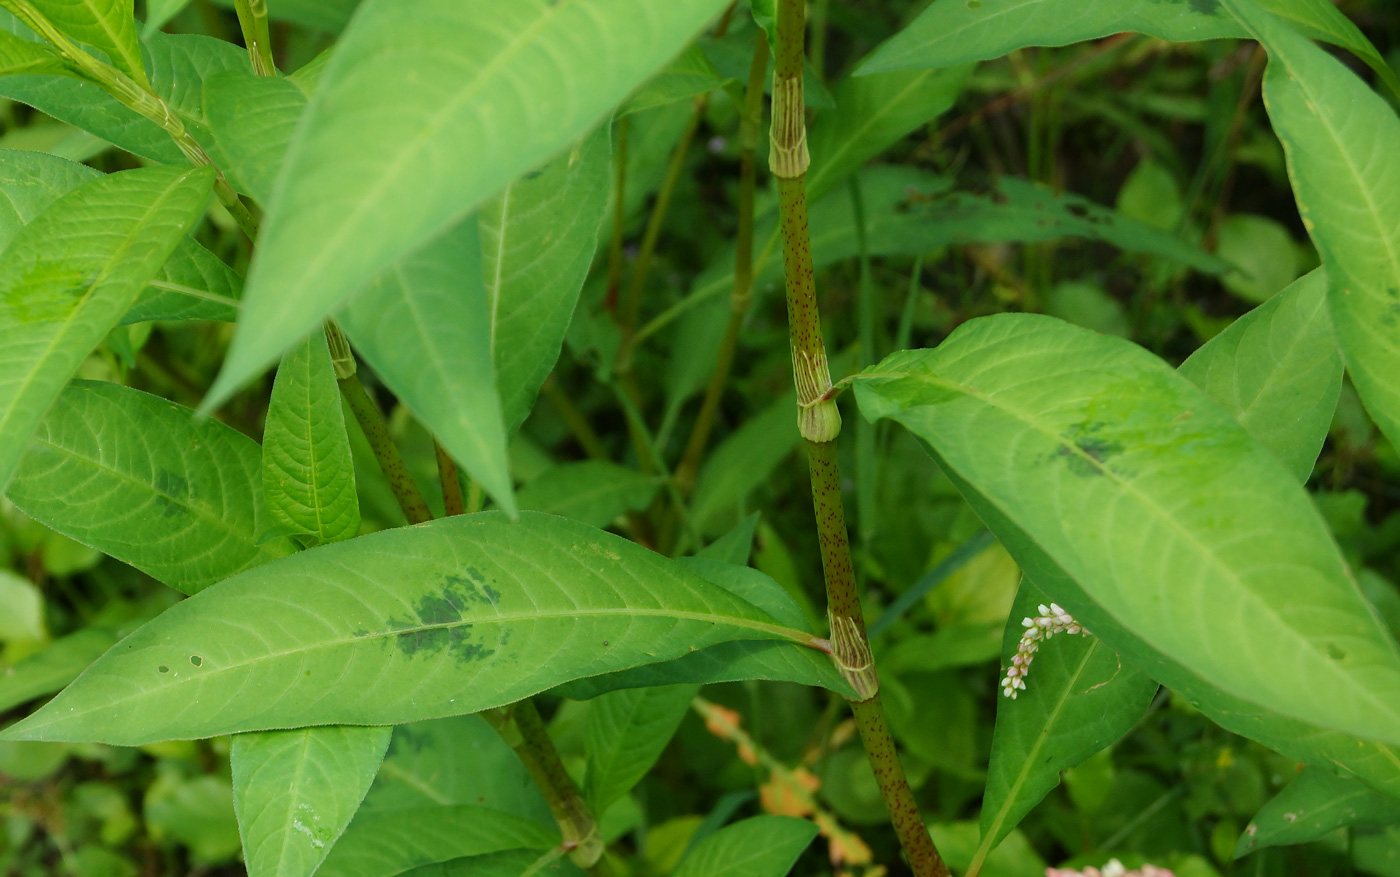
1277	370
193	284
1337	136
382	844
70	274
734	661
760	846
952	31
296	791
252	119
143	480
1079	699
625	734
537	241
1082	452
308	476
594	492
424	327
376	169
1314	805
450	617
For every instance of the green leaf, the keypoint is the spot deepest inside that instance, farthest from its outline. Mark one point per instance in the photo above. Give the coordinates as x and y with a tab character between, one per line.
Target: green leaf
733	661
196	812
252	119
308	476
158	12
193	284
512	863
47	671
735	546
760	846
1148	514
1277	370
953	31
19	56
1313	806
1337	135
450	617
626	733
105	25
742	462
21	609
69	276
594	492
688	75
143	480
377	169
1079	698
382	844
537	241
295	791
424	328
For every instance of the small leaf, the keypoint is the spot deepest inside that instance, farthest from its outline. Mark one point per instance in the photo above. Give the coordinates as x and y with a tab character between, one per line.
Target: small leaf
1313	806
158	12
1079	698
742	462
424	328
625	735
450	617
1277	370
760	846
58	303
689	75
594	492
1336	134
735	546
295	791
106	25
377	169
382	844
308	476
252	119
139	478
19	56
1090	460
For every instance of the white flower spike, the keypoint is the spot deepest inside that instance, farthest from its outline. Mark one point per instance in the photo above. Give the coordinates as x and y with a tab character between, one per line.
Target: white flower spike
1051	620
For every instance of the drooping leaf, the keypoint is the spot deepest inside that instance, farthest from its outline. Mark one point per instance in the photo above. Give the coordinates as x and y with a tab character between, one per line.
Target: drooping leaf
69	275
1277	370
760	846
295	791
594	492
1079	698
1314	805
445	618
1337	135
537	241
1089	458
424	328
308	476
626	732
377	169
143	480
387	843
954	31
252	119
105	25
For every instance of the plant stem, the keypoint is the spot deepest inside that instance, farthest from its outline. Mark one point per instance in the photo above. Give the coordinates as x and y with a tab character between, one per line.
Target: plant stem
521	726
252	18
452	503
820	424
743	270
578	424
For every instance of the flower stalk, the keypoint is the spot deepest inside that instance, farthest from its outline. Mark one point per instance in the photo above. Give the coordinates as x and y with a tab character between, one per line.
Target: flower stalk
820	423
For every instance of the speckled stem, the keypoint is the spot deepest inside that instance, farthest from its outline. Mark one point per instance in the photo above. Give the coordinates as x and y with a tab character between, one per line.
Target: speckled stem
367	414
820	424
452	502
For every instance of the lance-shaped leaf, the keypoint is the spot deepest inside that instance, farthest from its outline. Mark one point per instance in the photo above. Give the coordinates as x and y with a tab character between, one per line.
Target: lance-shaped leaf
595	492
512	863
252	119
295	791
143	480
69	276
1339	138
308	476
377	168
537	241
953	31
390	843
625	734
193	284
1277	370
445	618
424	328
1314	805
760	846
105	25
1149	514
19	56
1079	698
